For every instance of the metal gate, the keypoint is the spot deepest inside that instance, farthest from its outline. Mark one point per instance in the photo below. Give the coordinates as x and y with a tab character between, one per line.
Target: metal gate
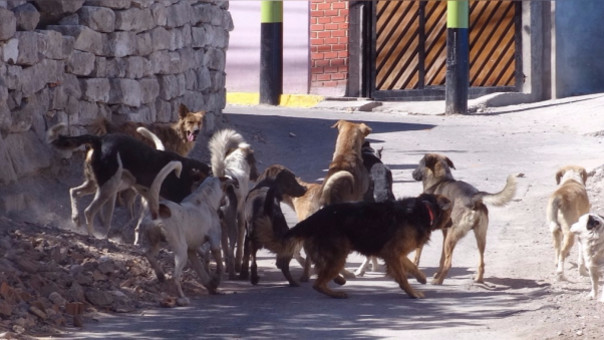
409	51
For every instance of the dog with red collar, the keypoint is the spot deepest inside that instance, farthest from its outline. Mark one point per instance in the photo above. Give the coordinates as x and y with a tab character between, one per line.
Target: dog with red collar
389	230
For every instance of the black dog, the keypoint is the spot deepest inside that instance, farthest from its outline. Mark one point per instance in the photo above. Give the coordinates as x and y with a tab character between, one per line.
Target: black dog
389	230
118	161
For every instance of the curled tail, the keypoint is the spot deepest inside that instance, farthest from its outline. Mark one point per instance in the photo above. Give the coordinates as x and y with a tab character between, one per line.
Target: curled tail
56	139
220	145
159	145
501	198
553	206
337	187
153	196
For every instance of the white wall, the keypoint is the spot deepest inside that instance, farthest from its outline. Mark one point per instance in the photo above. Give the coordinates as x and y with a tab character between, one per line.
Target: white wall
243	54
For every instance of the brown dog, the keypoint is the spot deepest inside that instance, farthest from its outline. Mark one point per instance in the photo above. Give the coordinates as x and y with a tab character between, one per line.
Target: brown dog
178	137
265	222
565	206
389	230
469	209
347	179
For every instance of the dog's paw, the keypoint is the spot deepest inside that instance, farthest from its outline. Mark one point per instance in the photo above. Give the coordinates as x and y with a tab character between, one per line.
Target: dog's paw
421	279
591	295
304	278
416	295
183	301
254	279
437	281
359	273
347	274
560	277
294	284
168	302
339	280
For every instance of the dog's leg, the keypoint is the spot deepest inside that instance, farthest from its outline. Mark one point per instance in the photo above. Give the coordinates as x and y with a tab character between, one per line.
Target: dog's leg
154	237
283	264
180	260
216	252
480	232
418	254
306	272
204	277
328	271
86	188
568	240
228	255
363	267
581	261
240	241
254	278
447	257
245	263
442	256
396	265
557	241
141	215
107	213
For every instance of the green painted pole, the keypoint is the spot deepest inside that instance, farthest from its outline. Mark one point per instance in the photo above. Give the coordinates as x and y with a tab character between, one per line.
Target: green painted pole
271	52
458	51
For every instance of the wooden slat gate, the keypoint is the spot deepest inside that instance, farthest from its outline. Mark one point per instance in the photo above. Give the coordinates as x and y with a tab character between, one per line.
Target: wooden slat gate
409	52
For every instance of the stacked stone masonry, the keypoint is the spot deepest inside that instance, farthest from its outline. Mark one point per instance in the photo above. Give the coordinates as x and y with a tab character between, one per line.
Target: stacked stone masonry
76	61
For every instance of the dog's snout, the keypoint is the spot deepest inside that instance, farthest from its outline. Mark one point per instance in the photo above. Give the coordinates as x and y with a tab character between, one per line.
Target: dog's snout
417	174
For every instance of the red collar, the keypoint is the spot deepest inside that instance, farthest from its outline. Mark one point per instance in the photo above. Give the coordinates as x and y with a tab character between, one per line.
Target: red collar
429	212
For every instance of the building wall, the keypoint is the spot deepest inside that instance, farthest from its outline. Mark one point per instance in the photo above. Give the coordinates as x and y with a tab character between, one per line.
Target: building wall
579	47
243	55
329	46
75	61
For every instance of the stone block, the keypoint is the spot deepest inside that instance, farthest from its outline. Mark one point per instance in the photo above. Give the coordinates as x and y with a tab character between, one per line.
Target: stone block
190	79
32	79
52	11
171	86
136	67
204	80
115	4
120	44
199	37
86	39
53	45
159	13
125	91
149	90
28	48
7	171
161	38
27	152
178	14
218	79
80	63
95	89
27	17
163	110
100	67
100	19
180	37
10	51
88	112
71	85
215	59
8	24
116	67
134	19
144	44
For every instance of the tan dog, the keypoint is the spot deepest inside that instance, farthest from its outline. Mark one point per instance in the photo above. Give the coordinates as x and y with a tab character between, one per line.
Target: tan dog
347	179
565	206
469	209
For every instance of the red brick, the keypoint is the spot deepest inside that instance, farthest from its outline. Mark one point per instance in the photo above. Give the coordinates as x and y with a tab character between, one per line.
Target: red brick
343	69
324	48
338	33
317	56
339	19
340	54
330	69
331	12
323	34
317	70
339	47
323	77
337	62
338	76
340	5
321	63
331	27
343	12
324	20
331	41
317	41
317	27
317	14
330	55
343	26
343	40
330	83
323	6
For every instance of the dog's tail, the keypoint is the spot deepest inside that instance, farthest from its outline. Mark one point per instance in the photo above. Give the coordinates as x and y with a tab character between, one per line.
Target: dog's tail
338	185
220	145
56	139
159	145
553	206
153	195
501	198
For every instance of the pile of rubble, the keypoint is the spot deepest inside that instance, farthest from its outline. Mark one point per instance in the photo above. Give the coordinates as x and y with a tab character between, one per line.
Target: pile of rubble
52	278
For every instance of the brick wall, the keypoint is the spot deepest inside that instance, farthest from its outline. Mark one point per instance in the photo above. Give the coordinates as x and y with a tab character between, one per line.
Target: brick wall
329	46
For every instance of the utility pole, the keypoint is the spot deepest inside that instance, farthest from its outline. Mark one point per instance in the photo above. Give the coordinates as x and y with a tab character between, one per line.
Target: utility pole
271	52
458	51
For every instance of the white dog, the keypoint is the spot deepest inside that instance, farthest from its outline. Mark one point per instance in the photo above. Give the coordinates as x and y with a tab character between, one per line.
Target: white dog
565	206
233	158
185	226
590	234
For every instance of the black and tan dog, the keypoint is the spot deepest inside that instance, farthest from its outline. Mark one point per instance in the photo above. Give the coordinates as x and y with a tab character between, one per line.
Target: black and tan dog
388	230
469	209
141	163
265	223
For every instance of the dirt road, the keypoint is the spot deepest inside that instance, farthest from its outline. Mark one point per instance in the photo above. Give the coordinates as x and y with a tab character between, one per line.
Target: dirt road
520	298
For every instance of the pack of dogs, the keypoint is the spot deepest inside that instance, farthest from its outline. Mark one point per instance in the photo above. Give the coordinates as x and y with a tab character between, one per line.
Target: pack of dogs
226	211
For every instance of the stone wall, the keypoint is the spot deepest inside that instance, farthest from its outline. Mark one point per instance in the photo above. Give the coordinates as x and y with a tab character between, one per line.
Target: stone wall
75	61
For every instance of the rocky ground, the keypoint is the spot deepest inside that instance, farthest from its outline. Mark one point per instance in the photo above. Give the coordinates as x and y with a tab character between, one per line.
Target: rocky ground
56	281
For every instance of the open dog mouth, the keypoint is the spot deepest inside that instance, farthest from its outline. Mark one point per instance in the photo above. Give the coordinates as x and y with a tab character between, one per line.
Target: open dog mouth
192	135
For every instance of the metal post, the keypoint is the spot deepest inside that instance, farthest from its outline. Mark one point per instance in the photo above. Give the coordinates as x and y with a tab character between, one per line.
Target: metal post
458	50
271	52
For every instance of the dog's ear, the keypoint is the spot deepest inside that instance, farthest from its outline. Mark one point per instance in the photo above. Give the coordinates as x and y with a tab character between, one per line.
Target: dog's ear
164	211
337	124
183	110
365	129
449	163
251	161
429	161
559	175
584	175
